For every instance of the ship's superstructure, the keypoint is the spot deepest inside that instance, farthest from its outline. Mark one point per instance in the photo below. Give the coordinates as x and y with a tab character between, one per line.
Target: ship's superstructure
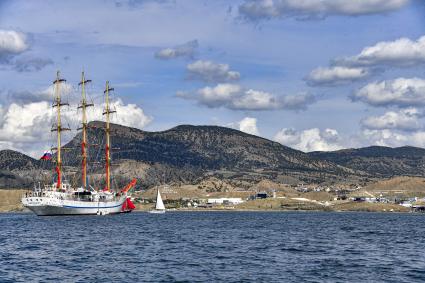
60	198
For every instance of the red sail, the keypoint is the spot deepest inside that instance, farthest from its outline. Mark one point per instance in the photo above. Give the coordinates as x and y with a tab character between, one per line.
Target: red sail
130	205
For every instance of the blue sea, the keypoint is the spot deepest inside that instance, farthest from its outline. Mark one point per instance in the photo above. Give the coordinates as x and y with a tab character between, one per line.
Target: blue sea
214	247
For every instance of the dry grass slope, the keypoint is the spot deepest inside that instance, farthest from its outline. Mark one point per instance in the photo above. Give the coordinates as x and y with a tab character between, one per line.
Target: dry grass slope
369	207
10	200
406	186
279	204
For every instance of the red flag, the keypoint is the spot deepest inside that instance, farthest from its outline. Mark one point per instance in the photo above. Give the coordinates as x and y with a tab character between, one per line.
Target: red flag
46	156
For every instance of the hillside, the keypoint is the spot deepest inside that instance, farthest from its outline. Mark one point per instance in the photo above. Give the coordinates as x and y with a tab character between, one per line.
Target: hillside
190	154
186	153
378	160
18	170
11	160
10	200
407	186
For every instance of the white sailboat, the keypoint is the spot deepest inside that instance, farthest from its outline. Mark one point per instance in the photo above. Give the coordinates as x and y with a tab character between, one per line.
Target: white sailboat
159	206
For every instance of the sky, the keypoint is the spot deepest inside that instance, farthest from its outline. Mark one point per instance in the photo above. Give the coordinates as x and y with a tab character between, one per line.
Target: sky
312	74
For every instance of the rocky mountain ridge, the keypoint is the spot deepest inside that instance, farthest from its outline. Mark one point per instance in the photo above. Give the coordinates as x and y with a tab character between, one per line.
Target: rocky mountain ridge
379	160
189	154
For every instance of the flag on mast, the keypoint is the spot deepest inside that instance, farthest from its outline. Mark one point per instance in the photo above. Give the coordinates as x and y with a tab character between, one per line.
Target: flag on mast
46	156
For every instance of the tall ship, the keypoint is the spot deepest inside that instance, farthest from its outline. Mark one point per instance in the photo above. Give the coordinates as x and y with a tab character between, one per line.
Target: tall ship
60	197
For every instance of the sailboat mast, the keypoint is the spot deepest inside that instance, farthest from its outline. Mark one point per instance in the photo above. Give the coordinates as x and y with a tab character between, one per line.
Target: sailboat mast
107	113
83	107
58	104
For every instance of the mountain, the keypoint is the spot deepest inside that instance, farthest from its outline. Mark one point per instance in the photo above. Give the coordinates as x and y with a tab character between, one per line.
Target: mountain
17	170
187	153
190	154
11	160
379	160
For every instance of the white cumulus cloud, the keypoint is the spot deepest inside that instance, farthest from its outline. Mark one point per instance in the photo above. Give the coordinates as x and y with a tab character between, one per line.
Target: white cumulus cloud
26	127
129	115
405	119
402	52
12	45
255	100
309	140
401	92
209	71
247	125
385	137
233	96
12	42
336	75
392	138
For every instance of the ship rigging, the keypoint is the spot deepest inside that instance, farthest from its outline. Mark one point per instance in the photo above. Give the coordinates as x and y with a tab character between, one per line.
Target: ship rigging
60	198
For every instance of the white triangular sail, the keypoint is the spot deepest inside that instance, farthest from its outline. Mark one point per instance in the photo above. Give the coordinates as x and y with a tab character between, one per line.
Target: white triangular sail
159	204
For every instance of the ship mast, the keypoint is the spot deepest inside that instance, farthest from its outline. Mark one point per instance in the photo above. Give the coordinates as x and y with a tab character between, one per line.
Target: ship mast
83	106
58	104
107	113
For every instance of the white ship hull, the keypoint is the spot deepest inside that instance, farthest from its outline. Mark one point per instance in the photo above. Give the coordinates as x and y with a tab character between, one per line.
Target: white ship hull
60	198
48	206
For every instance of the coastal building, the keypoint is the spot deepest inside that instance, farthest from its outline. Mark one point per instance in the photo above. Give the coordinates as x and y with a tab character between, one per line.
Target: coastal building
358	199
261	195
224	201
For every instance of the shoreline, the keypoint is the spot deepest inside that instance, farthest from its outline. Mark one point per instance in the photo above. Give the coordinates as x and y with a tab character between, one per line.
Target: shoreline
10	202
401	209
23	211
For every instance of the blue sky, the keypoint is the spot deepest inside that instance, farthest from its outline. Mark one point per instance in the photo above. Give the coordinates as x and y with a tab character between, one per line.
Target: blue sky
313	75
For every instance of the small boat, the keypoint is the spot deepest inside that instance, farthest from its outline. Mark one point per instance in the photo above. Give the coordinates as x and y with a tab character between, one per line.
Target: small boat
159	206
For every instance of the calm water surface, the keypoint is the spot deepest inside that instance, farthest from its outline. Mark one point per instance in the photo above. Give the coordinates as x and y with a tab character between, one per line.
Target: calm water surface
215	247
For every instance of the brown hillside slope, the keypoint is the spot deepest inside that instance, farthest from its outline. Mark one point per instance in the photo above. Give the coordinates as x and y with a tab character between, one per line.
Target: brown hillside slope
10	200
407	186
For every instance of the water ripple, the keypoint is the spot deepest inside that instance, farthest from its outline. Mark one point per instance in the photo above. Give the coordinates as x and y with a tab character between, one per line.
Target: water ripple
215	247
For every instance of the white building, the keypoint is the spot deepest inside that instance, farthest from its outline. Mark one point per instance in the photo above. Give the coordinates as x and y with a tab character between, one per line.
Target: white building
225	200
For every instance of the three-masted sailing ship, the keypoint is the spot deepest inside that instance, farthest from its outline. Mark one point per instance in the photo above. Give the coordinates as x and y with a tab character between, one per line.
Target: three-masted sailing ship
60	198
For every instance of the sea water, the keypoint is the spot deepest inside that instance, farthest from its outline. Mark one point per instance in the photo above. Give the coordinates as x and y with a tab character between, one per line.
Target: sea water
214	247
